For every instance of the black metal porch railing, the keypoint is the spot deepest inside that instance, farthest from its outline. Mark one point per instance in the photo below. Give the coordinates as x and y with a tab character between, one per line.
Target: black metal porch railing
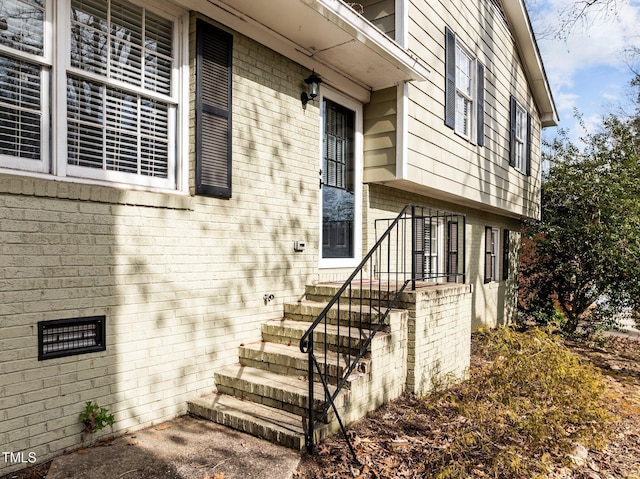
341	334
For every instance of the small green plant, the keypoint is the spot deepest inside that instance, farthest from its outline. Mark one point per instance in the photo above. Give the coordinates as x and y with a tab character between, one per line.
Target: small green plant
94	418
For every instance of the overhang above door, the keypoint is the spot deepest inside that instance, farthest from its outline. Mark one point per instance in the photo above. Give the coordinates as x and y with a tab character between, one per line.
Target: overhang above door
344	48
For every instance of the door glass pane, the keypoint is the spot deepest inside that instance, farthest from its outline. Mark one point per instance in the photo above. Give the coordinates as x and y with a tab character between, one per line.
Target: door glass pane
338	195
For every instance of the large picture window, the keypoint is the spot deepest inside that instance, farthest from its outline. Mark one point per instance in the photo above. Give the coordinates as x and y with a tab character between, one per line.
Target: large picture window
116	91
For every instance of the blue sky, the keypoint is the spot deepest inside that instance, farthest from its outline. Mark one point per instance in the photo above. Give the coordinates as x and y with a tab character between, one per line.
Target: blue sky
589	69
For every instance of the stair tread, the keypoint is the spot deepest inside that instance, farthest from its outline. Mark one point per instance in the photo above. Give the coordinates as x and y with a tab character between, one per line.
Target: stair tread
291	384
302	327
275	418
309	303
294	351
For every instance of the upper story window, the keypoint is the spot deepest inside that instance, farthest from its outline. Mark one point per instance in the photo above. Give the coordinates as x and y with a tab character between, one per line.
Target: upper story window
116	91
520	138
464	91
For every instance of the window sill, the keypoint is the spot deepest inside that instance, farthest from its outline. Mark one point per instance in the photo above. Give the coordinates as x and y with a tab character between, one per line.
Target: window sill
493	284
86	190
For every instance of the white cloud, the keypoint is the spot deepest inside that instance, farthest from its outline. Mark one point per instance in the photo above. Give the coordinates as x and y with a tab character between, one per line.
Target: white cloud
599	41
588	69
591	123
566	101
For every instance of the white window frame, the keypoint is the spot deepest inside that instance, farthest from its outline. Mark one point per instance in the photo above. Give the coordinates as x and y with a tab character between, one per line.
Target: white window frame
56	65
469	96
495	254
45	62
520	155
355	106
435	257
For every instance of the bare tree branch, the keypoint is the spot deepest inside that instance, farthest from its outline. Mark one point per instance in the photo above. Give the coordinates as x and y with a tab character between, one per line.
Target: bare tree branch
576	14
585	13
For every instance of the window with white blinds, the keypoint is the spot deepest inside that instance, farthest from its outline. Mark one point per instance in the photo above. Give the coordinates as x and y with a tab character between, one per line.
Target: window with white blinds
24	73
116	88
464	92
119	118
20	104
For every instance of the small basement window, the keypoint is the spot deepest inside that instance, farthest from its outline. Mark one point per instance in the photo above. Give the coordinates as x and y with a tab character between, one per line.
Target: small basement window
66	337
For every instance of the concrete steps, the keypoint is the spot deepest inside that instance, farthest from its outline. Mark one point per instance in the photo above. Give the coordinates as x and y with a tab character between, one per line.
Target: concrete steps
266	393
290	361
288	393
289	332
269	423
356	316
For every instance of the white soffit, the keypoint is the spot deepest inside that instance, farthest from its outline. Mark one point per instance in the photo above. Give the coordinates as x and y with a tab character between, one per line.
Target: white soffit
326	35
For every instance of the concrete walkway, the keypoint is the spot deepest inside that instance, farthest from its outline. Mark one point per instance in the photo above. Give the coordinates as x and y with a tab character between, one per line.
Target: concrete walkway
628	329
185	448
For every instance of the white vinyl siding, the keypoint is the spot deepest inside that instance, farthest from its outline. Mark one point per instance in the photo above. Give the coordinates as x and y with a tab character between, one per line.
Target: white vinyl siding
440	161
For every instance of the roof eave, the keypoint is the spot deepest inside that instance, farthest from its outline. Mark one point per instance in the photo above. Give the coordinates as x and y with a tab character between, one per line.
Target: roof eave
520	23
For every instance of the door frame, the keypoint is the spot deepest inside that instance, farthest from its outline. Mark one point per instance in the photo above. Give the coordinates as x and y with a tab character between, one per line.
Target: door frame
356	107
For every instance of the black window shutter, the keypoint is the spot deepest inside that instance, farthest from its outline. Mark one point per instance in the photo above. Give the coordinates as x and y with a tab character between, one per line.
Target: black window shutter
488	266
528	157
505	255
512	135
213	111
450	79
452	251
480	101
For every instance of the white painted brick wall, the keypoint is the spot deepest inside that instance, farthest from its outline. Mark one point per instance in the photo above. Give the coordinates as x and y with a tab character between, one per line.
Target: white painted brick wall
180	279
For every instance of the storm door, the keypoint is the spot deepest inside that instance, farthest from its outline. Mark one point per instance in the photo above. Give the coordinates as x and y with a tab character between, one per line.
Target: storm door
338	181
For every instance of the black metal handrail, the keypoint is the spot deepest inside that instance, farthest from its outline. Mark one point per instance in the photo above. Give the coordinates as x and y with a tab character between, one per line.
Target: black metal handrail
358	309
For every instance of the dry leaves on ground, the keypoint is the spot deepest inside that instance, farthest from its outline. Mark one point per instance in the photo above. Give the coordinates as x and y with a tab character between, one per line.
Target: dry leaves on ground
435	437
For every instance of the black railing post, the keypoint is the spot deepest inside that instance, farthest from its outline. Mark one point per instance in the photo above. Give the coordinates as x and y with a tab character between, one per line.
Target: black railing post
310	418
414	238
464	249
398	228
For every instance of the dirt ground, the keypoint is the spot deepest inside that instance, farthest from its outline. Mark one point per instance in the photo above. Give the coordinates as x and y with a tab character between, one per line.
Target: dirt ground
395	452
378	436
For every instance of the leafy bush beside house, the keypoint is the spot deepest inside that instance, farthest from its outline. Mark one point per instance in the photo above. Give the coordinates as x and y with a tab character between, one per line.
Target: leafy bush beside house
582	259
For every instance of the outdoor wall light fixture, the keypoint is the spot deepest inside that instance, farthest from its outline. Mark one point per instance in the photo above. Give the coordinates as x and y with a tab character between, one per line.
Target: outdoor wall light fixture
314	88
